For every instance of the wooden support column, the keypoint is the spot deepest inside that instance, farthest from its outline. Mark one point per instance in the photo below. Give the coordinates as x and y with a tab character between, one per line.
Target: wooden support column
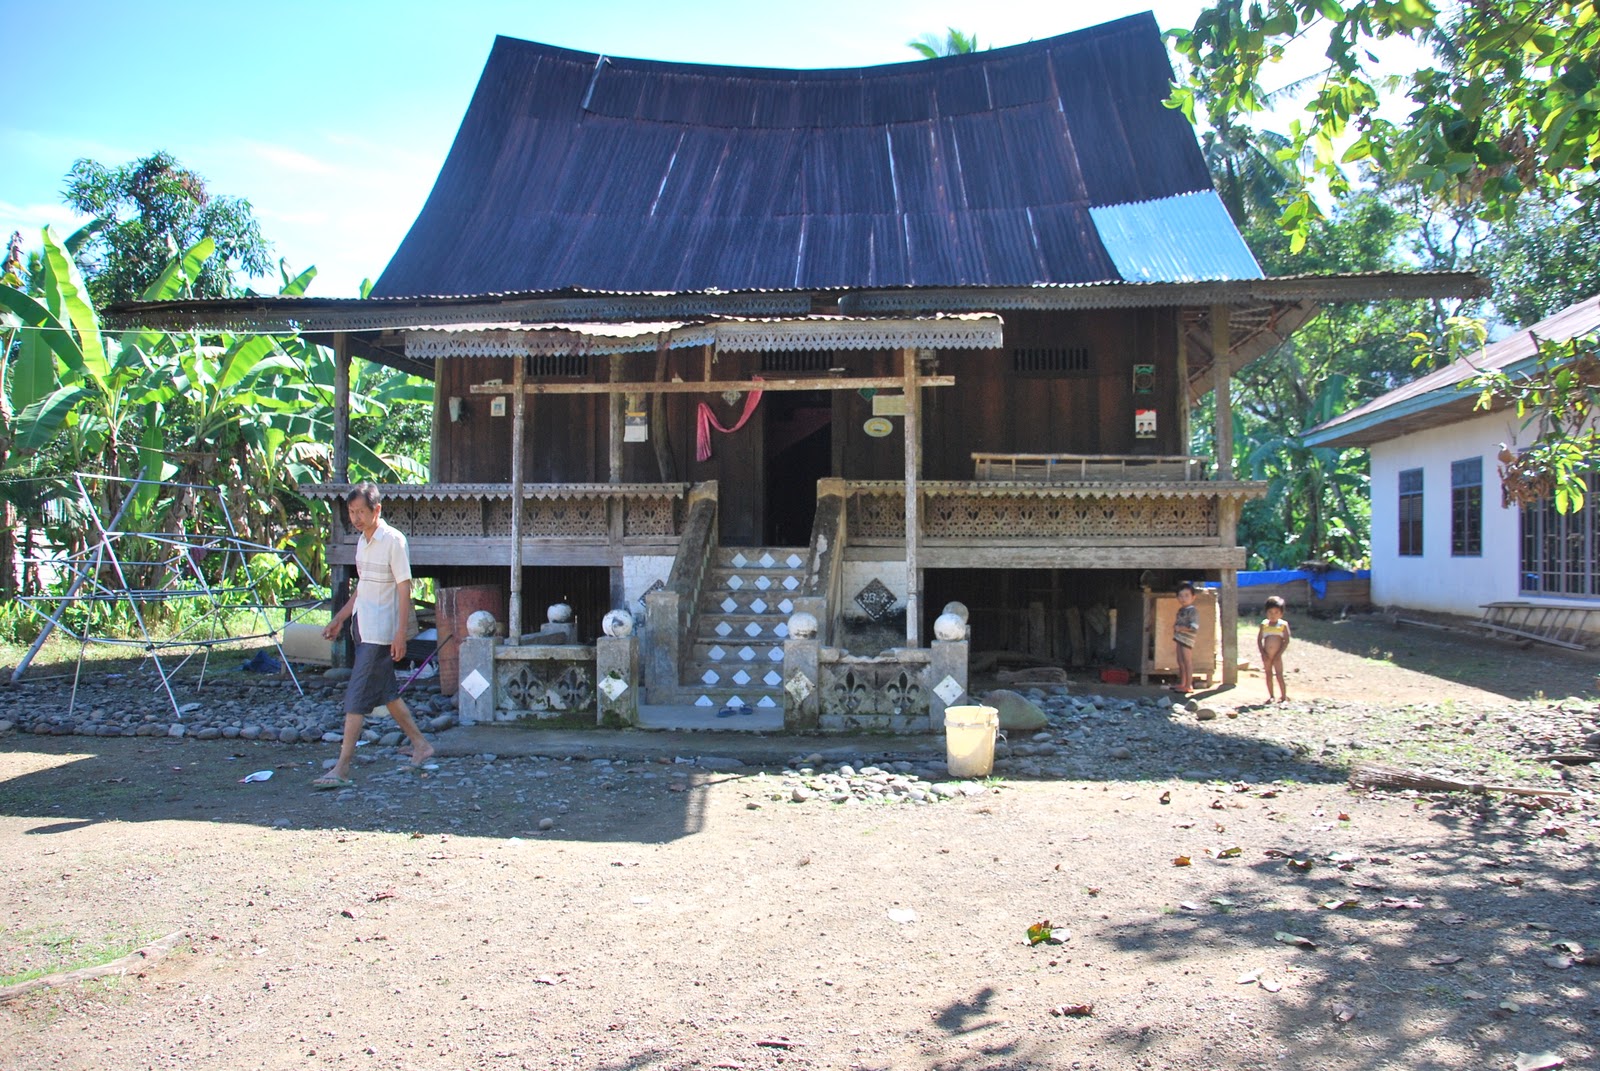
1185	435
1228	592
341	407
1221	340
618	417
913	430
519	409
339	582
617	411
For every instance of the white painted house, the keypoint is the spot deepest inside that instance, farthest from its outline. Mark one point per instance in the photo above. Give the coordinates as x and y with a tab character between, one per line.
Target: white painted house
1441	538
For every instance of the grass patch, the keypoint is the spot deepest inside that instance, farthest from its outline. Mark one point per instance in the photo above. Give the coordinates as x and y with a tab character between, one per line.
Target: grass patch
29	954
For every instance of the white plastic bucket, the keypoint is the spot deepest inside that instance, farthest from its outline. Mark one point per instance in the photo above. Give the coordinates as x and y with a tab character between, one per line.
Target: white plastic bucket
969	734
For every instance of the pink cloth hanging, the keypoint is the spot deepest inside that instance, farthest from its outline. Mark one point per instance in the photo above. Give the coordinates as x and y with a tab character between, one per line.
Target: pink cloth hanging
705	420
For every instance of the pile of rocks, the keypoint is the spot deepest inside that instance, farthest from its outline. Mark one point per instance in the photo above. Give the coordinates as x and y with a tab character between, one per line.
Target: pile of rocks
870	784
229	706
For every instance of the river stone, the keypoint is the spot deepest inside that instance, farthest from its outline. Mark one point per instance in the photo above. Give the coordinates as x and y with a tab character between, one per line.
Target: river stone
6	726
1205	714
1018	714
176	730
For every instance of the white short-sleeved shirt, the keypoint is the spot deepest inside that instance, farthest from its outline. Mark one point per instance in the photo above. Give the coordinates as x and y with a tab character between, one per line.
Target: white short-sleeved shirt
381	563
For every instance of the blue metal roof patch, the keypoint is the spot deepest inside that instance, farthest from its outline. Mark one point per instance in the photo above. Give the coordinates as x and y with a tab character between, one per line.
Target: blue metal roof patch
1181	239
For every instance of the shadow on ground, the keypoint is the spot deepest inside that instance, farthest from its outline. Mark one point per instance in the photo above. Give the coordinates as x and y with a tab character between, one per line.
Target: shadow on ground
1537	671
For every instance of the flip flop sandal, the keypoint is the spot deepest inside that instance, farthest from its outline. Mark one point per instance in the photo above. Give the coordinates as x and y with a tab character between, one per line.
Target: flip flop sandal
327	784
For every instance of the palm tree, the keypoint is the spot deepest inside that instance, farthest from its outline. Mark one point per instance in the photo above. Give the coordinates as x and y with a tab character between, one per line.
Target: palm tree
955	43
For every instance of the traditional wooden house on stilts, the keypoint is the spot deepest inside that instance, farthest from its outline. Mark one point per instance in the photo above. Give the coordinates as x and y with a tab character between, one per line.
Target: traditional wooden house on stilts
721	346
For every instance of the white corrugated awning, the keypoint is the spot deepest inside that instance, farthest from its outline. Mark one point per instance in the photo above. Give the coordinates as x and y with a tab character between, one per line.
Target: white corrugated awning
980	330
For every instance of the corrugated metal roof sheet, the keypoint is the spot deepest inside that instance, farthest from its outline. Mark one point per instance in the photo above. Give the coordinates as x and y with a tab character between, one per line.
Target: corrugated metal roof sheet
1430	400
1189	238
573	170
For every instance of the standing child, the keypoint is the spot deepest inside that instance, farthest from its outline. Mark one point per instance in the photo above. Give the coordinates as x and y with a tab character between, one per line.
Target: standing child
1272	640
1185	627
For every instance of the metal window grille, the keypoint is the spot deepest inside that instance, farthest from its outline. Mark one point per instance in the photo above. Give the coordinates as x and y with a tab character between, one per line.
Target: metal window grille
1051	360
1466	508
1411	513
558	366
1559	550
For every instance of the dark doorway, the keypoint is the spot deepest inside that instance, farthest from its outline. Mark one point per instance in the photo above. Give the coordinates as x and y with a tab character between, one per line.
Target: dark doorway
799	452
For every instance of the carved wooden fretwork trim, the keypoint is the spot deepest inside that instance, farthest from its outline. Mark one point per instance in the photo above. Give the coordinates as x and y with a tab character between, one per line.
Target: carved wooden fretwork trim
1037	516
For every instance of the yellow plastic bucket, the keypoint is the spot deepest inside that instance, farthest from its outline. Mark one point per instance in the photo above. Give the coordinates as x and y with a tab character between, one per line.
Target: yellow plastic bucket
969	734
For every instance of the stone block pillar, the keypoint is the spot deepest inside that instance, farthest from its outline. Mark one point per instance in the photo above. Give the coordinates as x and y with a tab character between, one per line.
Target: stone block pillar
802	683
477	675
947	679
617	681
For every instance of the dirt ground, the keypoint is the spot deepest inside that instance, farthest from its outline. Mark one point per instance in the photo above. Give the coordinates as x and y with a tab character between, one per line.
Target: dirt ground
677	917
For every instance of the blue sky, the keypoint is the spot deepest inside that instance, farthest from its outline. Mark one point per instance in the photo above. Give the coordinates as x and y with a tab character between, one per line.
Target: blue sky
334	117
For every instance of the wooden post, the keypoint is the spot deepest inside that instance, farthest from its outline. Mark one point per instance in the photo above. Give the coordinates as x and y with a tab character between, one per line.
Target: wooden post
340	580
519	409
1221	335
1228	592
913	429
341	407
618	418
1185	443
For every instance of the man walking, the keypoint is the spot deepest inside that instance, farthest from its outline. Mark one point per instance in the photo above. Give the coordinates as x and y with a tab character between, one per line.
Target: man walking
382	610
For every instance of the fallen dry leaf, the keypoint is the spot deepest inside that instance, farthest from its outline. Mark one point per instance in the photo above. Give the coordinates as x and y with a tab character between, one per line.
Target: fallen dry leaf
1343	1013
1230	853
1539	1061
1294	939
1339	903
1072	1009
1445	960
1166	797
1181	860
1400	904
386	894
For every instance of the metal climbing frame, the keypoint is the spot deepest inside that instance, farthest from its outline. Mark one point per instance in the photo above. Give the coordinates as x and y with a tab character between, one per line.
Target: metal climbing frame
141	570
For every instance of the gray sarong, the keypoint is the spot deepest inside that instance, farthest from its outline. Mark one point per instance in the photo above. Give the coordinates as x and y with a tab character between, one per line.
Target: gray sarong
372	682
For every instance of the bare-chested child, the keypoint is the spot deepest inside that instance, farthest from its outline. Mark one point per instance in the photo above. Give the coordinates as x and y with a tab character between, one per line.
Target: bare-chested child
1272	640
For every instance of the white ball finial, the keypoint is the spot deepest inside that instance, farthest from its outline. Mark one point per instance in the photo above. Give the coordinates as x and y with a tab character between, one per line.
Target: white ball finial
802	626
617	624
957	608
949	627
559	613
482	623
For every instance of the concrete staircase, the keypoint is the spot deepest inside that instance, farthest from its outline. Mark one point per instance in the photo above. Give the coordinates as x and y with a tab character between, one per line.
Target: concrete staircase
740	625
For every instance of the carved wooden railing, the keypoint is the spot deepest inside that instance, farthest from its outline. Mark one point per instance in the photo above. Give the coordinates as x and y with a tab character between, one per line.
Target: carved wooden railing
573	511
670	611
1178	513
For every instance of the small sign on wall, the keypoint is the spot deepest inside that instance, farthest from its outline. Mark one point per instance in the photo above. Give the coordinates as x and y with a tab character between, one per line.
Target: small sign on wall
635	426
497	405
1144	423
889	405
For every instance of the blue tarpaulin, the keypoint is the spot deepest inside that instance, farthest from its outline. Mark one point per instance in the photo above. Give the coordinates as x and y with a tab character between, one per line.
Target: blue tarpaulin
1318	580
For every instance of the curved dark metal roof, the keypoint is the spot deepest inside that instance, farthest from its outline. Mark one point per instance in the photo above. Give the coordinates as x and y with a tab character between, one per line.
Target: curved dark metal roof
576	170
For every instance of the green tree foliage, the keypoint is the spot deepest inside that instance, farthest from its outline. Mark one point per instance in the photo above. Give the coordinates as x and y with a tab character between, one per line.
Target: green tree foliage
1316	507
252	414
954	43
148	212
1509	106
